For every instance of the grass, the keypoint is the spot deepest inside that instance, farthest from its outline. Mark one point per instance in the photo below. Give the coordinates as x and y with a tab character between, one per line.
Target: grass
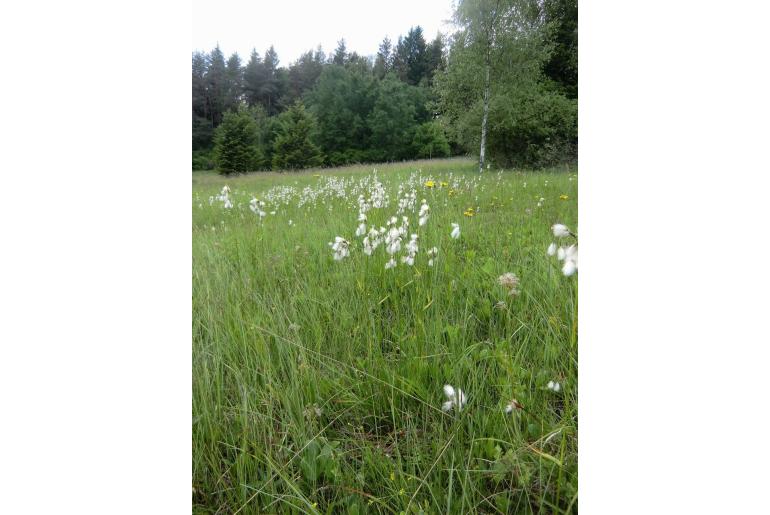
317	384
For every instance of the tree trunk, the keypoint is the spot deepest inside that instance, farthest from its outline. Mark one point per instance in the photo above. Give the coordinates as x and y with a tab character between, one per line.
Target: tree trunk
483	149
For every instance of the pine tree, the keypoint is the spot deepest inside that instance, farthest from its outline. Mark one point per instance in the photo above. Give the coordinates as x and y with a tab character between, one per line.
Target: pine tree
253	78
434	57
293	148
216	86
270	87
236	143
340	53
384	60
202	127
234	82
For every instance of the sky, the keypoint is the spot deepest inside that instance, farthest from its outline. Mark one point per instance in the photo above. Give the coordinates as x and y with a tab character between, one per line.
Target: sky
295	27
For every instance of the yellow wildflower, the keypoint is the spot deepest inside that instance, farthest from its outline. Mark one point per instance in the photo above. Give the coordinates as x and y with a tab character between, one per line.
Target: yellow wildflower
564	197
429	184
444	184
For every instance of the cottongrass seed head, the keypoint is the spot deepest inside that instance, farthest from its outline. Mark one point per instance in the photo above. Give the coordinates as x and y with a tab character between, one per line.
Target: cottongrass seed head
560	230
455	398
455	230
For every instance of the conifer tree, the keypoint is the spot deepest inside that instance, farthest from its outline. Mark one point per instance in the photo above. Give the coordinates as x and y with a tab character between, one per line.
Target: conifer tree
293	148
236	142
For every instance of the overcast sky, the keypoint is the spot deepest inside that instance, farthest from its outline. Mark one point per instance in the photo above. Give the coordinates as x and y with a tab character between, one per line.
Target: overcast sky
294	27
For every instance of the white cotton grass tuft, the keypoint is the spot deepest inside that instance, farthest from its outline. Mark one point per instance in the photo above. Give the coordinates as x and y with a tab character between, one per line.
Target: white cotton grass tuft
553	386
560	230
455	398
570	261
551	249
455	231
569	268
340	246
390	264
512	406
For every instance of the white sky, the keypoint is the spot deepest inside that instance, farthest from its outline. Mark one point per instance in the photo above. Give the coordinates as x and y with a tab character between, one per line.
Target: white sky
294	27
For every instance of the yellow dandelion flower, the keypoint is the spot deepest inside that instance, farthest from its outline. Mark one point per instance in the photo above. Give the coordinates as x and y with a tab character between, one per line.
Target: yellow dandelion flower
564	197
468	213
429	184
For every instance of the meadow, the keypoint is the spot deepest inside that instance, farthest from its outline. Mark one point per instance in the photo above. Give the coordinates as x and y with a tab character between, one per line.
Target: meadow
406	366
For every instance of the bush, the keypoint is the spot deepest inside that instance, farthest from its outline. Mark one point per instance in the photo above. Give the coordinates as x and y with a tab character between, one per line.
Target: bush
236	143
533	129
293	148
203	160
430	141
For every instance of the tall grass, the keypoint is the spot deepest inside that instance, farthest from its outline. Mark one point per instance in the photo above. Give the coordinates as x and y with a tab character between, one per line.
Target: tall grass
317	384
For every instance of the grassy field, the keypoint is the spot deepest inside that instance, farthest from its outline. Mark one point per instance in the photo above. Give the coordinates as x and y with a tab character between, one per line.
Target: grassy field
318	383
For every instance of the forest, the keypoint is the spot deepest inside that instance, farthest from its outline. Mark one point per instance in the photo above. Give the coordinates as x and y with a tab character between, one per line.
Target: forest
502	87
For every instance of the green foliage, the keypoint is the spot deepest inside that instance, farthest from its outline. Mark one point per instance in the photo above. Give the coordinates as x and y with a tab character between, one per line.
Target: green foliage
430	141
293	148
562	35
530	123
341	102
236	143
203	160
393	119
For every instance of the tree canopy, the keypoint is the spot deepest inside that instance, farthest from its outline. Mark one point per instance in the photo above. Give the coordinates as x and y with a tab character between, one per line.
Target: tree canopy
414	98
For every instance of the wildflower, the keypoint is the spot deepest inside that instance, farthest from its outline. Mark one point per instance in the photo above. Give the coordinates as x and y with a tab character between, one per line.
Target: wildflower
570	260
291	223
551	249
431	254
362	217
560	230
390	264
455	230
553	386
513	405
468	212
454	398
563	197
444	184
561	254
509	281
340	248
424	213
429	184
361	230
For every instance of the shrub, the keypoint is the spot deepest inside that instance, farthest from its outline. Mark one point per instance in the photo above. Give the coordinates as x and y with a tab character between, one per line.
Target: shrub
430	141
203	160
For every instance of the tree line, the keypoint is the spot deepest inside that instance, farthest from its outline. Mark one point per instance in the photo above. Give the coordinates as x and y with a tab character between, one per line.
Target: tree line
503	86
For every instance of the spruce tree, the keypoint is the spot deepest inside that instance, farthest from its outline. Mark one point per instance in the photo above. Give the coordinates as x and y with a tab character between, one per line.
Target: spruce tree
253	78
216	85
236	143
293	148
